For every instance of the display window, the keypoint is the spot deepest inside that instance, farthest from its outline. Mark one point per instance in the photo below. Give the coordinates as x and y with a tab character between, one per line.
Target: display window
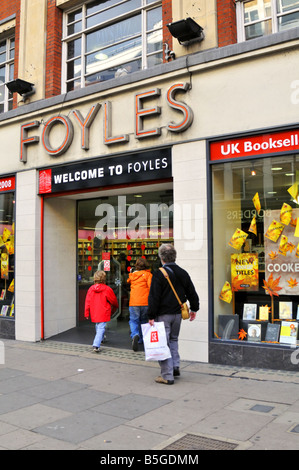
255	249
7	252
113	232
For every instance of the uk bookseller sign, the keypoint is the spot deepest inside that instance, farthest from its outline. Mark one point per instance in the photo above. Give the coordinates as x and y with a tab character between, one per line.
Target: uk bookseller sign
250	146
140	167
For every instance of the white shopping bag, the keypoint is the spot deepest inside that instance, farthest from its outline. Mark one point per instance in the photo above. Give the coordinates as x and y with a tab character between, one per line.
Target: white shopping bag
155	342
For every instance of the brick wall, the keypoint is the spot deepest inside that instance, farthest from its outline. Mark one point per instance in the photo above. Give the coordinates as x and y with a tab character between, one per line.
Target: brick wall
167	18
227	27
53	52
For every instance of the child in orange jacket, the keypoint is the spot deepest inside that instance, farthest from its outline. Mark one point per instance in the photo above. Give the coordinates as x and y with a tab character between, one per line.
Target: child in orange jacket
140	281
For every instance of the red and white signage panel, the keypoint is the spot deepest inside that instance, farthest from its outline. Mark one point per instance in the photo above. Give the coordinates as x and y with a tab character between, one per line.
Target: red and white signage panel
256	145
7	184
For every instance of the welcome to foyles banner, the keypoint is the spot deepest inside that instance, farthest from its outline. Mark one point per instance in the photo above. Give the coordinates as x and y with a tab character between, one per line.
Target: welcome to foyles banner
137	167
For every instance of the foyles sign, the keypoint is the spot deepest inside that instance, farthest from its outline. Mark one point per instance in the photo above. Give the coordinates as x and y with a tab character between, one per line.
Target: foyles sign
143	166
84	123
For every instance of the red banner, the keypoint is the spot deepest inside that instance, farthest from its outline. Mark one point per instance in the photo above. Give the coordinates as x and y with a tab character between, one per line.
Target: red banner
7	184
287	141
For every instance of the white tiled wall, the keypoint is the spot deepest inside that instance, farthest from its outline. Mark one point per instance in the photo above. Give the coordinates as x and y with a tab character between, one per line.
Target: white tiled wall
59	262
27	261
190	233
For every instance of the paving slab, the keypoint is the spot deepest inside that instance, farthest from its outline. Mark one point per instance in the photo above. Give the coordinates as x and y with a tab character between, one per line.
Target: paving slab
130	406
53	388
33	416
81	400
80	426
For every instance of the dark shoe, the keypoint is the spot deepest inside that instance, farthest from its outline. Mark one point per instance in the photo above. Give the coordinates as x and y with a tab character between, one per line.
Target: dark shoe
176	372
135	343
160	380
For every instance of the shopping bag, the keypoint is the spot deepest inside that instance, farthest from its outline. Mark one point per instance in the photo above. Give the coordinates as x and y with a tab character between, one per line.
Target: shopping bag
155	342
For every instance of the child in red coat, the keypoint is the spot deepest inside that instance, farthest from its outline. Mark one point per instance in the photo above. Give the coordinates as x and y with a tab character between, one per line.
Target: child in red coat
99	302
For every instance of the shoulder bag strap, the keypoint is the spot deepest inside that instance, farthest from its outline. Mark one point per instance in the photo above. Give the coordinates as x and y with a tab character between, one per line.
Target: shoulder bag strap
170	283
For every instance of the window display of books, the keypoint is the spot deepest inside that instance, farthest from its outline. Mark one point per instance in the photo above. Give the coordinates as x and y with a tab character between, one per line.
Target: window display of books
259	328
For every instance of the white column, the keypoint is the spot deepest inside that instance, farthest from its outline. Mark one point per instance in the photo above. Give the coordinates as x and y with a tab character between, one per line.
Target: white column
27	258
190	235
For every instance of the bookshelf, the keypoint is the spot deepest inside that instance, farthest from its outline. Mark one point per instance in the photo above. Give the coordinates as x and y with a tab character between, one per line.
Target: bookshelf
90	252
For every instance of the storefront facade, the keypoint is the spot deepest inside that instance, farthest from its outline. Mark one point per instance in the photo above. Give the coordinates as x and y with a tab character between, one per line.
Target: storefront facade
179	133
255	267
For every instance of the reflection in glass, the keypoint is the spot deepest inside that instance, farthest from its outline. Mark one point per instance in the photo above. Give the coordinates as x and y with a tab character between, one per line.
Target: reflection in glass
113	56
74	69
154	19
74	48
155	59
113	33
258	29
2	92
284	6
154	41
111	13
288	21
257	11
11	71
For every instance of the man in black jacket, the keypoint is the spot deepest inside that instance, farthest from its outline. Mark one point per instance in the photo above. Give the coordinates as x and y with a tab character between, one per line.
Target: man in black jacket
164	306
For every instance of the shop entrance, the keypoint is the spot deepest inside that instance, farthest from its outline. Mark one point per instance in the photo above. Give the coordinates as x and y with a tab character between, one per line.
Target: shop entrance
114	230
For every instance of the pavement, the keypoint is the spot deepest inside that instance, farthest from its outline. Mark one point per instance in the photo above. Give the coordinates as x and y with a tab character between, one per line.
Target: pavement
62	396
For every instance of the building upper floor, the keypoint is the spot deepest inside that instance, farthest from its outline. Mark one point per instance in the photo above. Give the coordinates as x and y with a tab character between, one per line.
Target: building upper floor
59	46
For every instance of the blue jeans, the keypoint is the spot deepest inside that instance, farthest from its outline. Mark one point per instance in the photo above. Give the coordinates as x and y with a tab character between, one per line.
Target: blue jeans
100	330
138	316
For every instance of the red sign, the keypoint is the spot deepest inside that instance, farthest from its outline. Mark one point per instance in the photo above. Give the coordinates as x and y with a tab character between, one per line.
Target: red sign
154	337
45	181
287	141
7	184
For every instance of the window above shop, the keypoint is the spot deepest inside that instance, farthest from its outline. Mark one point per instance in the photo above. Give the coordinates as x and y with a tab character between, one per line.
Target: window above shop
258	18
107	39
7	53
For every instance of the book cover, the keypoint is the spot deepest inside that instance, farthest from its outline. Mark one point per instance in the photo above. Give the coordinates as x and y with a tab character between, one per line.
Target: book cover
254	332
264	313
272	332
249	311
288	332
285	310
4	310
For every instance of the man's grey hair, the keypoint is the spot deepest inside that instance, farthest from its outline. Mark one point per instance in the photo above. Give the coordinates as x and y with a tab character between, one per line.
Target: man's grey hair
167	253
